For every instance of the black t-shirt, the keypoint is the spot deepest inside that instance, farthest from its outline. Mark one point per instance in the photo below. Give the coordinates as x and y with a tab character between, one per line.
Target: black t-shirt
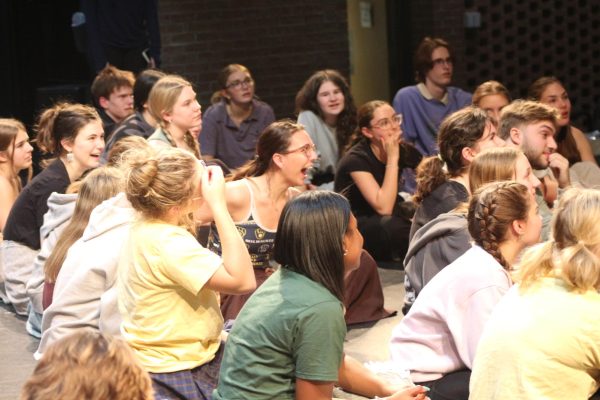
27	213
361	158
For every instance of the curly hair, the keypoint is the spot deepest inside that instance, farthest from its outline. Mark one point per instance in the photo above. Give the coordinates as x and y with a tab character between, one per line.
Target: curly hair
491	212
306	99
88	365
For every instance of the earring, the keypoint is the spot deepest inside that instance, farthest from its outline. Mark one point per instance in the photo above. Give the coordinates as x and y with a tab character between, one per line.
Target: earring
345	251
69	157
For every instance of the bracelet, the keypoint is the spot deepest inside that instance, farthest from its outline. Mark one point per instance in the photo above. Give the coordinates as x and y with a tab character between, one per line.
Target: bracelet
392	166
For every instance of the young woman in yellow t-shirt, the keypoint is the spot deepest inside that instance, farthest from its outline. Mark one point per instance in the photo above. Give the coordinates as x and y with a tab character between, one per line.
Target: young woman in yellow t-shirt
167	281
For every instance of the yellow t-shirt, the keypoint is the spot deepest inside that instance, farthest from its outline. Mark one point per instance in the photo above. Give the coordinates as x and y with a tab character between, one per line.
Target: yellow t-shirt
543	343
170	320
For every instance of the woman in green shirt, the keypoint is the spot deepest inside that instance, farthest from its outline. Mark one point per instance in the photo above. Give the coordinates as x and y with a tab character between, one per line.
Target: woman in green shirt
287	342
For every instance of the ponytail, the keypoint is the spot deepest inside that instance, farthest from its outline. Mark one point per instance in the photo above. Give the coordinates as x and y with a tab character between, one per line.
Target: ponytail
430	175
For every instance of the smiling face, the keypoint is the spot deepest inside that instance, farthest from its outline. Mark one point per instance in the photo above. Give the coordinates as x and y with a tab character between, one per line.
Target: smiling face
524	174
87	146
297	159
537	142
441	72
556	96
492	104
331	101
186	113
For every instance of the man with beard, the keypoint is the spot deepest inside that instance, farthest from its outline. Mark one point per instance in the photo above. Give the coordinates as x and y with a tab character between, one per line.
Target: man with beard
531	126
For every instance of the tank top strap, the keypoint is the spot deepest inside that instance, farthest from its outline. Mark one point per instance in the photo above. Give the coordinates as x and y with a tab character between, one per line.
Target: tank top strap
251	192
252	213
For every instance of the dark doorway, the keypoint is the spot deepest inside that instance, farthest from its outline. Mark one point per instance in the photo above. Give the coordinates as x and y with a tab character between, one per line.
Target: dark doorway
39	61
399	48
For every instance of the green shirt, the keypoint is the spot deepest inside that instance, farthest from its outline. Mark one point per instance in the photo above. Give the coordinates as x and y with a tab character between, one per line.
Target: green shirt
292	327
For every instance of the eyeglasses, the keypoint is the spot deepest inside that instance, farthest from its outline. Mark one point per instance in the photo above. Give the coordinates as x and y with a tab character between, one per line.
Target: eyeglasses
308	149
387	123
442	61
238	84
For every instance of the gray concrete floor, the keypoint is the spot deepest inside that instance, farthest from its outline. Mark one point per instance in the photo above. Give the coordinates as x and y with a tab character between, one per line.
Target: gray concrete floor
365	343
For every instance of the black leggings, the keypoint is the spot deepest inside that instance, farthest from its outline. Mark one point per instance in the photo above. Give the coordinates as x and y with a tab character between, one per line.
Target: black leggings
386	237
452	386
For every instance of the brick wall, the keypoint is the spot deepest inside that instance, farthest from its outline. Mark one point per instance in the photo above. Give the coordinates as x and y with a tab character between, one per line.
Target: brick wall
281	42
518	42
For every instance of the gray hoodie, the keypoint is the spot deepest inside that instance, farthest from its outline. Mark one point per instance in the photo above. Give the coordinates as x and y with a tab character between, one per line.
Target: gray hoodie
433	246
84	293
60	210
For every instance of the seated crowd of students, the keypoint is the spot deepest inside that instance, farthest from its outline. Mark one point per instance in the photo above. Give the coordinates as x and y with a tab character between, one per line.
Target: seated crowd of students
184	257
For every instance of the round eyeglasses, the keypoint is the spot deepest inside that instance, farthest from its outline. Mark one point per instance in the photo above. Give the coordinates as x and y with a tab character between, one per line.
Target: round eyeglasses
308	149
386	123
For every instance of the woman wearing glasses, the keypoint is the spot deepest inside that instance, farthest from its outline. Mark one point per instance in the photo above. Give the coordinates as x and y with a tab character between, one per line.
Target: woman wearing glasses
257	194
369	176
231	126
327	110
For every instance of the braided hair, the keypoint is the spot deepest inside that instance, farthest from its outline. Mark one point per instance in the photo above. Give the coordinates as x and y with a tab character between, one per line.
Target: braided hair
491	212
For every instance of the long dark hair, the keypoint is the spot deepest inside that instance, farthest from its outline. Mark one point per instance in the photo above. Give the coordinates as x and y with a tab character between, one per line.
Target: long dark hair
304	246
306	99
364	118
274	139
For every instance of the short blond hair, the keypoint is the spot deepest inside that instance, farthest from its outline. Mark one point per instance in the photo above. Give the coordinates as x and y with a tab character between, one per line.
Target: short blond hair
88	365
571	252
524	112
